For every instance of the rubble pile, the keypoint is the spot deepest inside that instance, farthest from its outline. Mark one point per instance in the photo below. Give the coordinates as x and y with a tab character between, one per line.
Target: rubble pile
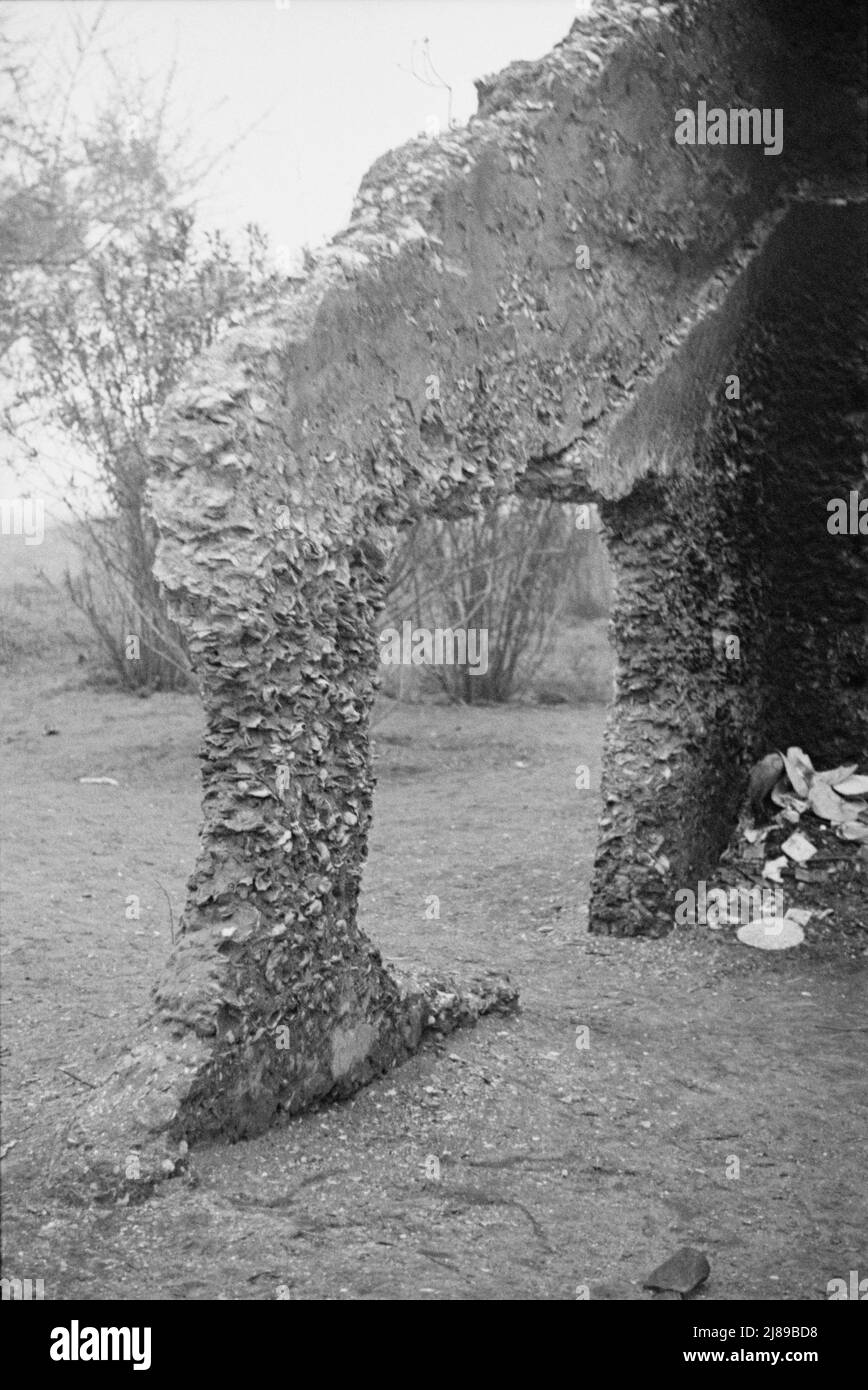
807	838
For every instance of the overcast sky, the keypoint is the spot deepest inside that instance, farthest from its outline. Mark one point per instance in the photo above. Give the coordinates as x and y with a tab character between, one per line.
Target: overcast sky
322	87
318	89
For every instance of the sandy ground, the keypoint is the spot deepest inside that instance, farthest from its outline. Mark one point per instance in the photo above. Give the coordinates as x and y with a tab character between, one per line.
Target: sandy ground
720	1101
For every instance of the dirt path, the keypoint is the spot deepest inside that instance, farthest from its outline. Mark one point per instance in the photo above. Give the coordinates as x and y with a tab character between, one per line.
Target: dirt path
506	1162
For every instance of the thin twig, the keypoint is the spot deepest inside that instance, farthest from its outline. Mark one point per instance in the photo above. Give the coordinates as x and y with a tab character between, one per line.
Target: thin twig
857	1028
66	1071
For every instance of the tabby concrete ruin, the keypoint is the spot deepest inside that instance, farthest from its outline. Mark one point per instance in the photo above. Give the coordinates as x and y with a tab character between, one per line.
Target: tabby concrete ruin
565	301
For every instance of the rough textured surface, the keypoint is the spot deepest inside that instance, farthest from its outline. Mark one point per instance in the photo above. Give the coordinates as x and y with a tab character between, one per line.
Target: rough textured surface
735	545
448	348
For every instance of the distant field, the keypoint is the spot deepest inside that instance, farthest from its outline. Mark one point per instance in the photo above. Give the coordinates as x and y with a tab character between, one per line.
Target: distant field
39	624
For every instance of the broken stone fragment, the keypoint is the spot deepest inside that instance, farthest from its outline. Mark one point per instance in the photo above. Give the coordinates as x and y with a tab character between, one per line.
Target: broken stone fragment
763	777
682	1273
771	933
827	804
799	770
799	848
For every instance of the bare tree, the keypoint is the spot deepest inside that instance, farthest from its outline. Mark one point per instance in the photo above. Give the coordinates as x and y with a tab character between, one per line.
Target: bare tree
106	293
103	353
65	185
503	571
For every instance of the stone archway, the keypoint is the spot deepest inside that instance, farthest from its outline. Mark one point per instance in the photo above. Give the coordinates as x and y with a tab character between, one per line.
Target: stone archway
548	301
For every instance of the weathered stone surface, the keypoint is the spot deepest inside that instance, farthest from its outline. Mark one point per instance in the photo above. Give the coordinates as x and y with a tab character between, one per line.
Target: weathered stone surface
681	1273
734	544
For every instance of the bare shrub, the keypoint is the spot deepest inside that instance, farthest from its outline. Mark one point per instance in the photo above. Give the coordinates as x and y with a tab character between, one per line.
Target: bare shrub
502	571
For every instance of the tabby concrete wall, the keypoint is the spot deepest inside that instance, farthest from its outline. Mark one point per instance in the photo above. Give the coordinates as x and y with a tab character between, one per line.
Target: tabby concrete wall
548	301
742	621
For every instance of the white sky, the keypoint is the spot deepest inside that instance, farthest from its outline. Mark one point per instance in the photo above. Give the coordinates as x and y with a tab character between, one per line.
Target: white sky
322	87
